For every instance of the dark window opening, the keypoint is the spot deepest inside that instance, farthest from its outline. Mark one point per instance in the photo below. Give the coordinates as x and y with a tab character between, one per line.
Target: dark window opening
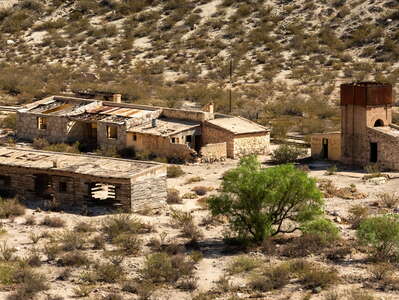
188	139
5	181
173	140
373	152
41	123
62	187
325	149
43	186
112	132
379	123
134	137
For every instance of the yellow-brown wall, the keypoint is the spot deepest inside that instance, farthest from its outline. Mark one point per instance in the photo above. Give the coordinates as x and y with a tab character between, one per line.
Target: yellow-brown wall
334	145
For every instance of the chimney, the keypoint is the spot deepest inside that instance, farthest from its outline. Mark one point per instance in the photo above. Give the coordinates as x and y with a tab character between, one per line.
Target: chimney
209	107
154	123
117	98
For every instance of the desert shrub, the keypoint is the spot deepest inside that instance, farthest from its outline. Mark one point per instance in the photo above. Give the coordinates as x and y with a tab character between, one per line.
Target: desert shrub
40	143
358	213
143	289
381	271
331	170
275	277
257	201
389	200
173	197
381	234
30	283
174	171
6	252
286	153
9	122
112	297
83	290
71	240
123	223
129	243
163	268
242	264
55	222
324	228
75	259
51	250
10	208
373	170
360	295
34	237
84	227
108	272
30	220
189	196
318	276
185	221
98	242
200	190
193	179
203	202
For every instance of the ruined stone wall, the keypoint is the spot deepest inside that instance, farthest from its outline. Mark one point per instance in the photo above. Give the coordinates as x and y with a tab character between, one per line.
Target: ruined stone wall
334	145
160	146
149	191
257	143
27	128
214	152
199	116
213	135
388	155
106	143
383	113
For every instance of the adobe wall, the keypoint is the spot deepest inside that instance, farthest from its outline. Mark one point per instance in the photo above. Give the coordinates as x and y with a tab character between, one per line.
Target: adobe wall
199	116
159	145
214	152
27	128
257	143
334	145
213	135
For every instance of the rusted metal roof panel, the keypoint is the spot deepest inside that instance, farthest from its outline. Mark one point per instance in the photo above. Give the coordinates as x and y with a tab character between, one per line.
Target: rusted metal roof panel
366	94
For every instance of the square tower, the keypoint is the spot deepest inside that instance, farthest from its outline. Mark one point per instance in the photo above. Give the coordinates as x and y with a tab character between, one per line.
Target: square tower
363	105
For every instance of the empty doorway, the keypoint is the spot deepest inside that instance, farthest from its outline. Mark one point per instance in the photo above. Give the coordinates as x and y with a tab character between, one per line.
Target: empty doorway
325	149
373	152
43	186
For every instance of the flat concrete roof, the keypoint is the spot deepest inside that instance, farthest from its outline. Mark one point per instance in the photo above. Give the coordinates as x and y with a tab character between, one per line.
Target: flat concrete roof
165	127
237	125
97	166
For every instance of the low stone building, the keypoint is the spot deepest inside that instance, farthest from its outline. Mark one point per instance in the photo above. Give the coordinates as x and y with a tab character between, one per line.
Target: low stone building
165	132
72	180
367	134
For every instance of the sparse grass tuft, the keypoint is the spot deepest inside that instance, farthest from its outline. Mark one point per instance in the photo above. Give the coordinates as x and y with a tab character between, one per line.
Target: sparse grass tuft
11	208
174	171
242	264
55	222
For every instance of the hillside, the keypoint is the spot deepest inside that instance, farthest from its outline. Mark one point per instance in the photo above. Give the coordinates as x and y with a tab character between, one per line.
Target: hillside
288	57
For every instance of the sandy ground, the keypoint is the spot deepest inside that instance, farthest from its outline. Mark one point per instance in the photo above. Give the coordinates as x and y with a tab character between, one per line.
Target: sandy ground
213	265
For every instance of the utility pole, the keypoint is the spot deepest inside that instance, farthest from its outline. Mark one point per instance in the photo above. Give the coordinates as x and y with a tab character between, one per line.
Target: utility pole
231	83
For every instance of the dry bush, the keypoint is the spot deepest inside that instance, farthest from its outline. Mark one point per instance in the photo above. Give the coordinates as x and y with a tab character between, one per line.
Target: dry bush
200	190
116	225
242	264
98	242
30	283
55	222
173	197
143	289
6	252
193	179
51	250
319	276
34	237
358	213
388	200
74	259
381	271
83	290
360	295
71	240
130	244
174	171
11	208
84	227
108	272
33	260
272	278
164	268
185	221
30	220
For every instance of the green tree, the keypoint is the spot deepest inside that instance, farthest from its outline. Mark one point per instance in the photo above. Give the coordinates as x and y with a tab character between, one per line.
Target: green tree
257	201
381	233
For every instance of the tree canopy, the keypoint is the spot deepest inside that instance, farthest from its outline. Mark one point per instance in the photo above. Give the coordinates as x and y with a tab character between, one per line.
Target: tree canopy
257	201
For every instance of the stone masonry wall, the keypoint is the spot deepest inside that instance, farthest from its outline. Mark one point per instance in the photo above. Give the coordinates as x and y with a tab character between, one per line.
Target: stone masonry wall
214	152
106	143
251	144
149	193
388	155
27	128
212	135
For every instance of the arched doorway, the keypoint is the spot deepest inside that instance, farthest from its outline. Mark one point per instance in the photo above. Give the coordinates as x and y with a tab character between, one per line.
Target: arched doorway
379	123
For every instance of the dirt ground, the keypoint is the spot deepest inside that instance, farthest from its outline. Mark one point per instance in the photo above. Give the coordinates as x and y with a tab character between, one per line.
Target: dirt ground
353	270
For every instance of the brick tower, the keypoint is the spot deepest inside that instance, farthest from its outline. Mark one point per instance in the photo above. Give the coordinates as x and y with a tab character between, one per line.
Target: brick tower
364	105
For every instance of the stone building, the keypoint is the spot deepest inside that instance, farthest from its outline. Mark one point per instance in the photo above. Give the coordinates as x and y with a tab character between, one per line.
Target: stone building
367	134
72	180
165	132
